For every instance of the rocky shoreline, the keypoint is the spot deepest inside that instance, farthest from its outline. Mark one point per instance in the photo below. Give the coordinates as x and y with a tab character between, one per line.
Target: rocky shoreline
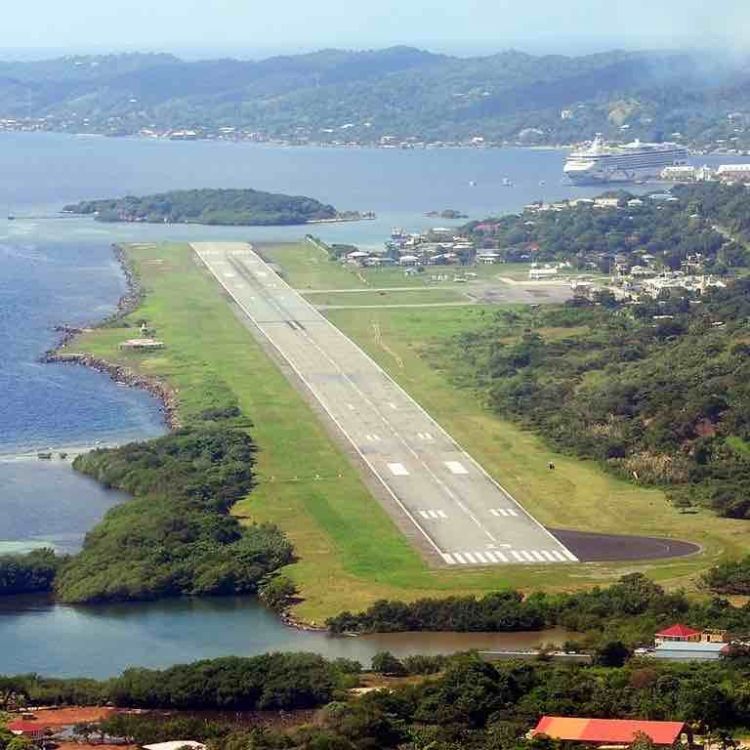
127	304
124	376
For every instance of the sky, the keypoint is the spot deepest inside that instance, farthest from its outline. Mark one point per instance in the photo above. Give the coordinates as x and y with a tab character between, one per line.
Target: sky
251	29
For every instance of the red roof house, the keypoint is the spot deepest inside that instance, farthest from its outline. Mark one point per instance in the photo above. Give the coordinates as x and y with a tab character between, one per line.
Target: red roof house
608	731
677	633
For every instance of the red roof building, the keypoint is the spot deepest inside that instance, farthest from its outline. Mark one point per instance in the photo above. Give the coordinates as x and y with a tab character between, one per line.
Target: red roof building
678	633
31	729
608	731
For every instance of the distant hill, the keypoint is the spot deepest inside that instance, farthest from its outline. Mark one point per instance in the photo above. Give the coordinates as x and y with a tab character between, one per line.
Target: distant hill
218	207
402	92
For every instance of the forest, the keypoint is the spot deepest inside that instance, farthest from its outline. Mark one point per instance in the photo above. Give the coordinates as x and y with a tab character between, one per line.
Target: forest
729	577
662	234
658	391
218	207
629	611
176	536
29	573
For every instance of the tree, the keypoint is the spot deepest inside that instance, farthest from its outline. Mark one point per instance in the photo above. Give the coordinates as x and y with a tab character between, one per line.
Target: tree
384	662
277	592
641	741
612	654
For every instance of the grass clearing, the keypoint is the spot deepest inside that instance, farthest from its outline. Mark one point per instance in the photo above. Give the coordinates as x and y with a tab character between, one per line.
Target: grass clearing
350	552
306	266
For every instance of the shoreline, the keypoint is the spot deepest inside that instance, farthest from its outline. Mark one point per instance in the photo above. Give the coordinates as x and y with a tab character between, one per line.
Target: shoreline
127	304
312	222
275	143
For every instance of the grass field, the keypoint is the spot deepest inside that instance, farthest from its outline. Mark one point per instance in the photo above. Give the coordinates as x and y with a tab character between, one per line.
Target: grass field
350	553
305	266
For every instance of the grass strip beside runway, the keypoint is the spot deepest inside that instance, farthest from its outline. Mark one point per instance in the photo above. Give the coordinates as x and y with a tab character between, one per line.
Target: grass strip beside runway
350	553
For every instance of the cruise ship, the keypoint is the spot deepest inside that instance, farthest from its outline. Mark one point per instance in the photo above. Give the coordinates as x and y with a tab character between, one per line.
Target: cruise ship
631	162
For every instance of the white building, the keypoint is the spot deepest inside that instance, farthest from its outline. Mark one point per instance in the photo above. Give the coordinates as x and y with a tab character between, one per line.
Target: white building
734	172
679	173
606	202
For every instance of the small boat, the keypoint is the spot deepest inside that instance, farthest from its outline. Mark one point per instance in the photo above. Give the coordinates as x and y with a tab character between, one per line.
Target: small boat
472	183
45	455
507	182
11	217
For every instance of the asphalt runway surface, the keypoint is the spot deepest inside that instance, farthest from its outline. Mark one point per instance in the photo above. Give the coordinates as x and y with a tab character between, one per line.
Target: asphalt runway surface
461	516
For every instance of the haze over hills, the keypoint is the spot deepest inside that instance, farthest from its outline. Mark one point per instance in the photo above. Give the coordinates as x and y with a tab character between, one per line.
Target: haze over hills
338	95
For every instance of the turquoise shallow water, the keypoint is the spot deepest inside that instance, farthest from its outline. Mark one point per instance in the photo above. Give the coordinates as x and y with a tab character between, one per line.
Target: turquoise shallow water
61	270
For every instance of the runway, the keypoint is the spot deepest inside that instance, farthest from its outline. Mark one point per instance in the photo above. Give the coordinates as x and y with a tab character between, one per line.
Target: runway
463	517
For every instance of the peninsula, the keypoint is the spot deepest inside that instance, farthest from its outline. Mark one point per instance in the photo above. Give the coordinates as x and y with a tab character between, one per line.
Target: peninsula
234	207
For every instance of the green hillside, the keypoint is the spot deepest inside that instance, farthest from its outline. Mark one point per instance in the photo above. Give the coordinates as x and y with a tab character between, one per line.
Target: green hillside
401	92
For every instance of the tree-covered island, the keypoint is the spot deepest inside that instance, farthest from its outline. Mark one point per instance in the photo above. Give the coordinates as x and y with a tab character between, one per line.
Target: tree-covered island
230	207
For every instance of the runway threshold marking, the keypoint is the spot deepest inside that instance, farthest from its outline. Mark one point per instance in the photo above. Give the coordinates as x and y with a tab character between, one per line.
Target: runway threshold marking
433	514
503	512
495	557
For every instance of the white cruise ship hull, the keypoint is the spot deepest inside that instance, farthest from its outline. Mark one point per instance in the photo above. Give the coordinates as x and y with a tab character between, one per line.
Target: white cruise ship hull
623	174
631	163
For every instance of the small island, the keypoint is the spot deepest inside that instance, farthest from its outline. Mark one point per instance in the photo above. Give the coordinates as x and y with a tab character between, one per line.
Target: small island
233	207
448	213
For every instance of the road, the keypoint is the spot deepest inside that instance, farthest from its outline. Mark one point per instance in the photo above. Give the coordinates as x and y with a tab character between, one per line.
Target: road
462	516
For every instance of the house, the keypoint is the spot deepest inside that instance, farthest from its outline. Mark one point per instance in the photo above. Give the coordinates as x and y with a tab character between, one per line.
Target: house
610	732
681	643
680	633
409	260
175	745
689	651
734	172
679	173
606	203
